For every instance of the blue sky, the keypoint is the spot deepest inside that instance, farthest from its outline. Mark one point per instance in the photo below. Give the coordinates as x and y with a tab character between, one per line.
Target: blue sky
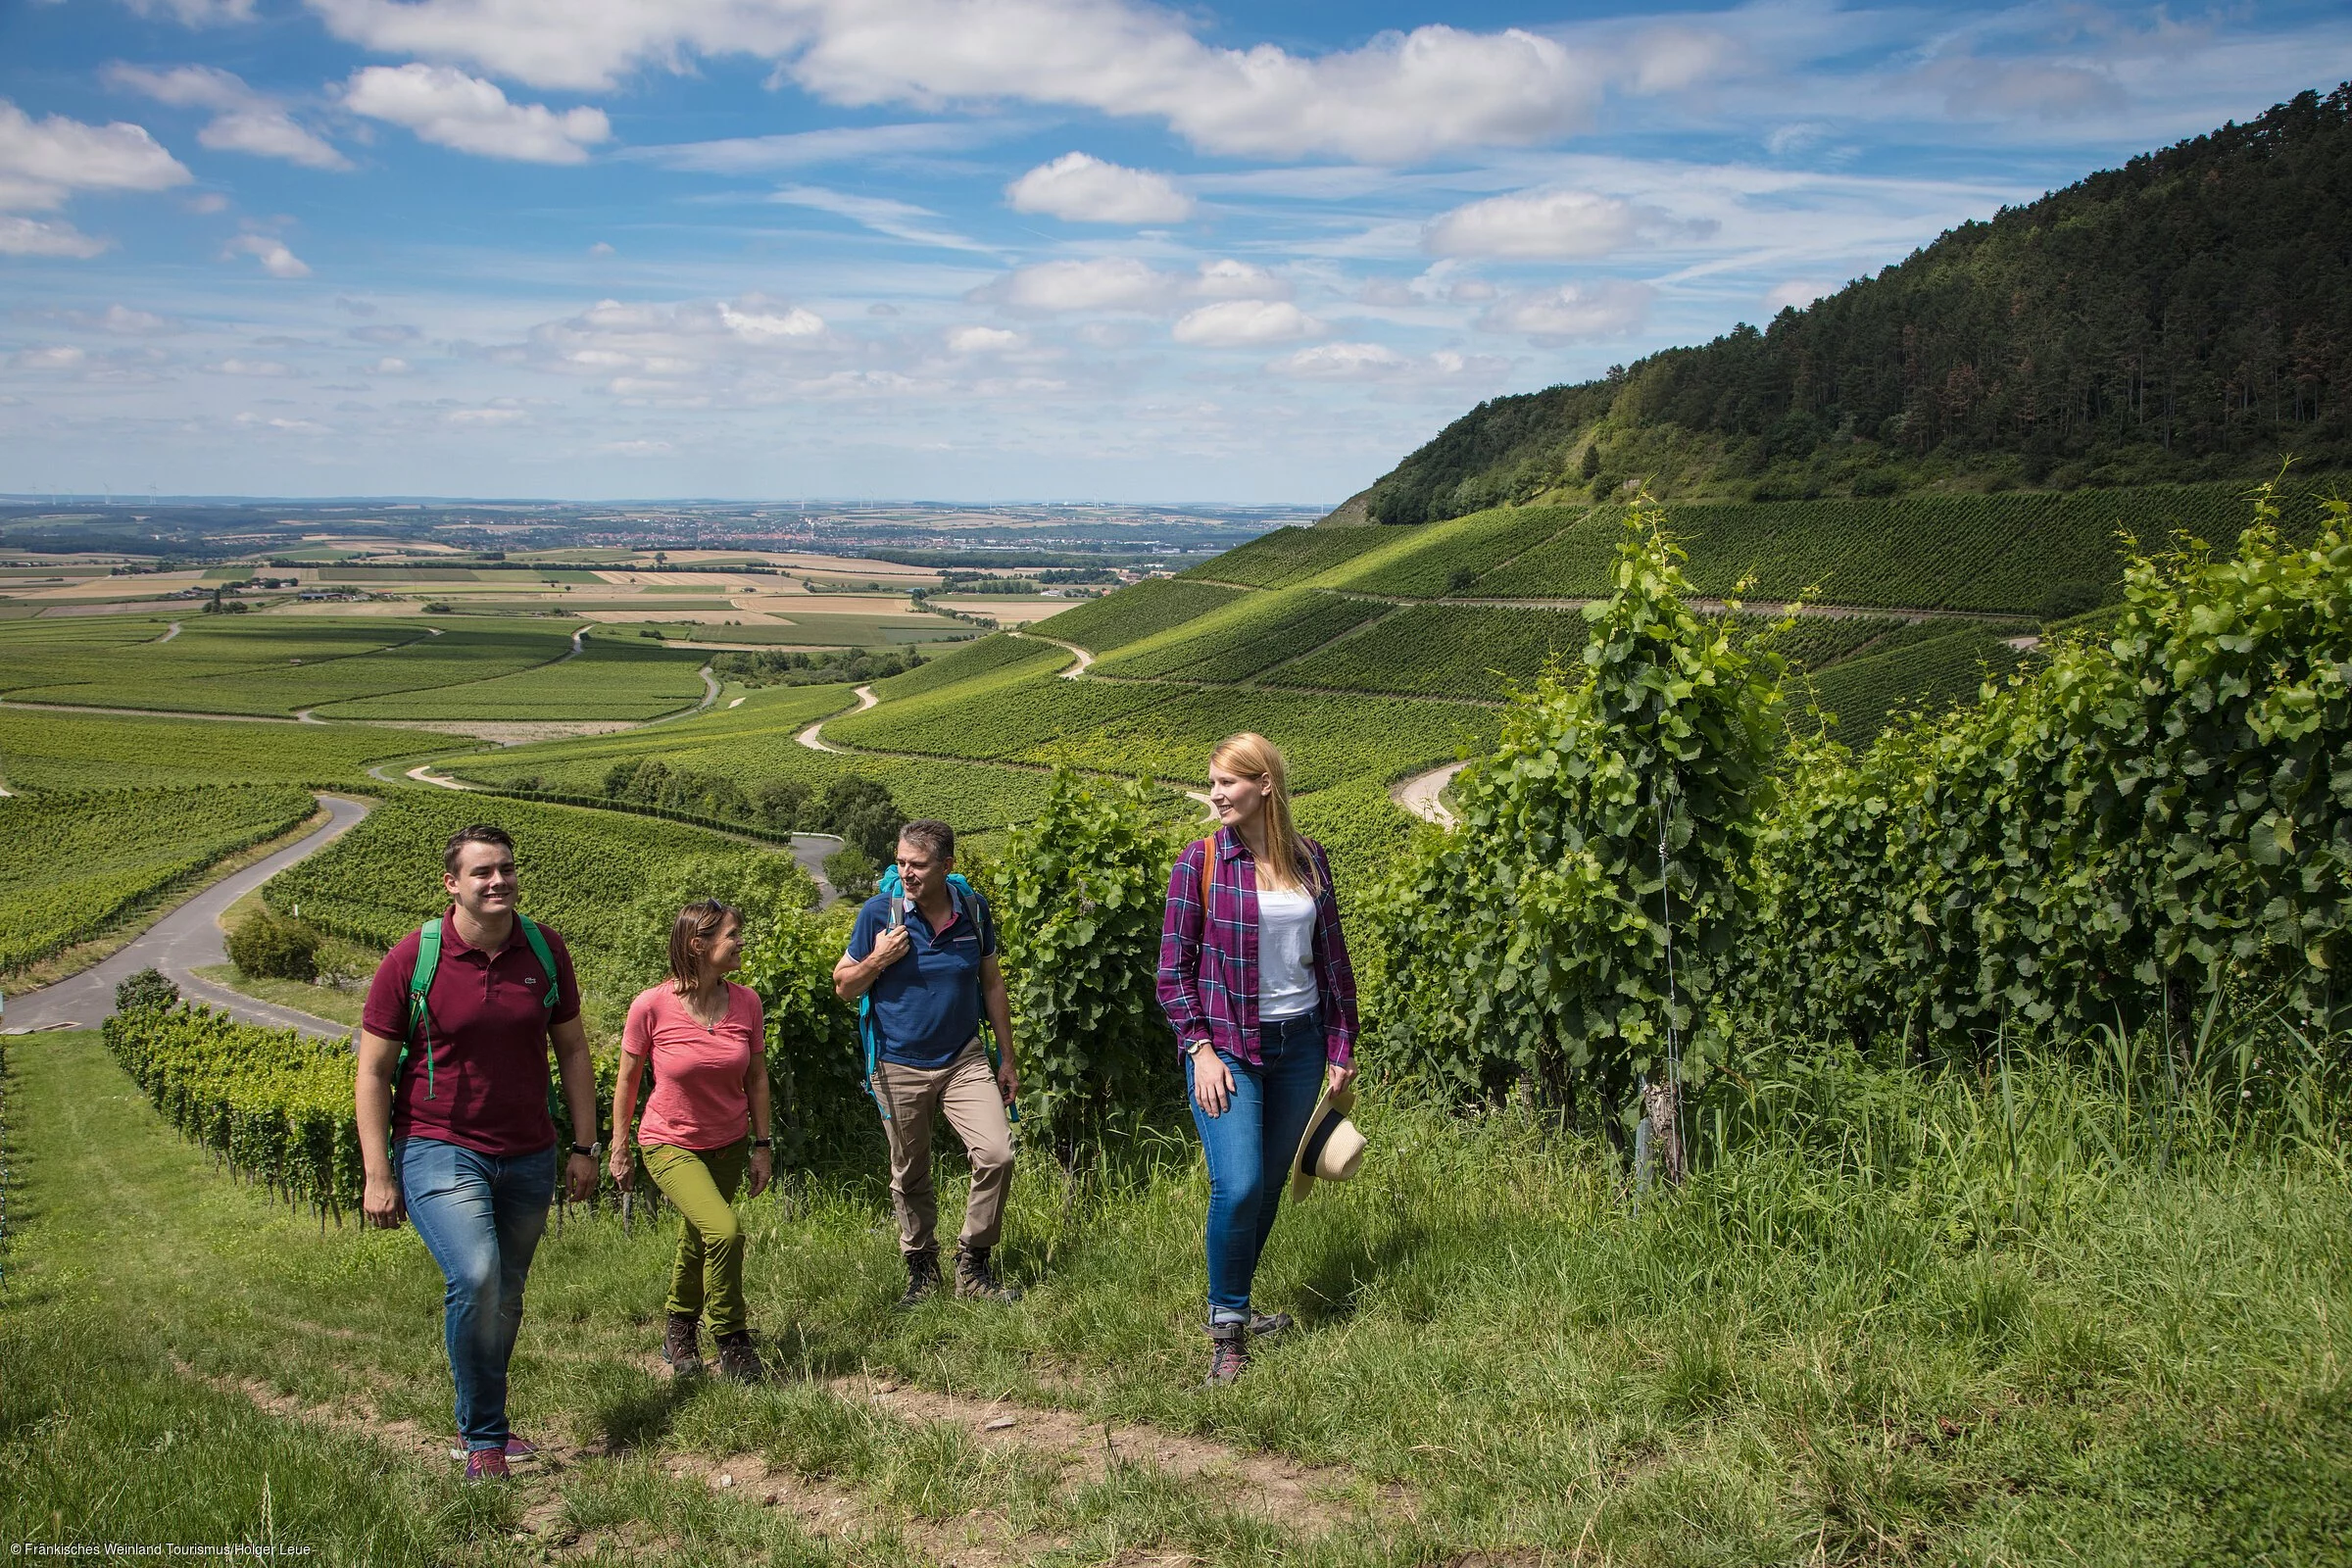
975	249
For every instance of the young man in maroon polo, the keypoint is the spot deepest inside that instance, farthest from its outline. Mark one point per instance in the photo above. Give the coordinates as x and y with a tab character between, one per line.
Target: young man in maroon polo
457	1138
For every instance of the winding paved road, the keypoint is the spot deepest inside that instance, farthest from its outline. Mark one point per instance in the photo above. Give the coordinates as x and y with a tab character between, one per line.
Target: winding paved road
182	941
1423	793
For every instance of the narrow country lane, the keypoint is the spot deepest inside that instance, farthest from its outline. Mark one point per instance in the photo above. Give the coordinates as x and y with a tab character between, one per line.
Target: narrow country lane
183	939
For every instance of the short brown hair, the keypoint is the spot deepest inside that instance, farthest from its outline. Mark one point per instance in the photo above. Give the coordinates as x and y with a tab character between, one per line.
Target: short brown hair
698	921
479	833
930	835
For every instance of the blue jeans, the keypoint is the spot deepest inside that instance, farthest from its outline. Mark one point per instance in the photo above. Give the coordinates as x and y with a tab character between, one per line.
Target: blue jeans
1249	1148
480	1217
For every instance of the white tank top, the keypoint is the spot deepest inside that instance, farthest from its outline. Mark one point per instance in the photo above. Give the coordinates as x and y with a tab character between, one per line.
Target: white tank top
1285	955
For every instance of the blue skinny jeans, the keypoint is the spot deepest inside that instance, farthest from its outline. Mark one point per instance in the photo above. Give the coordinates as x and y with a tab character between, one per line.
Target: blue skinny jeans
481	1217
1249	1148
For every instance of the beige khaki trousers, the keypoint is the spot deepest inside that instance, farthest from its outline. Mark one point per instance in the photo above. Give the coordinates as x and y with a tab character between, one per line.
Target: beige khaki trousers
966	1091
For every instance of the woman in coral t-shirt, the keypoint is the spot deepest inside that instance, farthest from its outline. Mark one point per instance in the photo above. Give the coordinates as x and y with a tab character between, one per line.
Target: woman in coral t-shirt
706	1041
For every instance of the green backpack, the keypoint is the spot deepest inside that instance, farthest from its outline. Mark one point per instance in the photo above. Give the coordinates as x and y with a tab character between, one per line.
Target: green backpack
428	964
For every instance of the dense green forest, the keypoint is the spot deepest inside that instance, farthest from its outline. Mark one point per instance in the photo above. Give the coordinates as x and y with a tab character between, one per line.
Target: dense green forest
2186	316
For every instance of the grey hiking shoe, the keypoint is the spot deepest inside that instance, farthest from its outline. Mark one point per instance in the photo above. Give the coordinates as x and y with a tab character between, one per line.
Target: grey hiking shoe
1265	1325
1228	1353
738	1362
976	1280
681	1347
922	1278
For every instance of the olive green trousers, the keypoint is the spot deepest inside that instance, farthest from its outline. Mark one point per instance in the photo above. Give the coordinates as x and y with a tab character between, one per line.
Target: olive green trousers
707	1277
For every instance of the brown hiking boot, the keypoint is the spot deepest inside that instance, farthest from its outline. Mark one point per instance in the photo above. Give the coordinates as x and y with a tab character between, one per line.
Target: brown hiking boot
681	1347
975	1279
922	1277
1228	1353
738	1362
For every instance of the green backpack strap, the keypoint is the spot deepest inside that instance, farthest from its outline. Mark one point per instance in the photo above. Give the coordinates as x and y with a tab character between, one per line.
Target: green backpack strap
420	981
547	960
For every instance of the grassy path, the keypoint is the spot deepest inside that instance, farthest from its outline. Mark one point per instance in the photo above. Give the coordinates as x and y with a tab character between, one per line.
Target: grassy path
1805	1357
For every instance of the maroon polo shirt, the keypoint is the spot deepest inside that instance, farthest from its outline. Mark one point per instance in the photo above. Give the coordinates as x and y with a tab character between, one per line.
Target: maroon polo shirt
490	1022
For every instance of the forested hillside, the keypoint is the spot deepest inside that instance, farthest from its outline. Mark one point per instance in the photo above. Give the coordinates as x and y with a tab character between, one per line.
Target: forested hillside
2188	316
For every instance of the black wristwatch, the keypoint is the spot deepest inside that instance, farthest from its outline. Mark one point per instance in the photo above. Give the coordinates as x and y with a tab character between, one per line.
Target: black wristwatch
585	1150
763	1143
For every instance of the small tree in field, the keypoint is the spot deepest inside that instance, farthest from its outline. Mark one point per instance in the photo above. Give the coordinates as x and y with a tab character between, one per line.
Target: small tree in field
1078	893
1575	925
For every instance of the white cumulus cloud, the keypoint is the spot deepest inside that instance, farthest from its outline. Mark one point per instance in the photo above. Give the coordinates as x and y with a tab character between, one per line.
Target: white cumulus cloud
1237	324
1082	189
34	236
1101	283
1400	97
1608	308
450	109
236	366
53	357
43	161
1552	224
1338	362
271	253
244	121
1228	279
762	325
982	340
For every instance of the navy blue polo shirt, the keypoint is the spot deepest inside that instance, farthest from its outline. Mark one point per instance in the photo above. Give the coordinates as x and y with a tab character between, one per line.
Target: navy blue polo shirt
928	1005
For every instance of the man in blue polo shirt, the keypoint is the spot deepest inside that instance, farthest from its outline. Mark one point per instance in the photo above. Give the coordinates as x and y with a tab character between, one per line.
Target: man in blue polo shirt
929	958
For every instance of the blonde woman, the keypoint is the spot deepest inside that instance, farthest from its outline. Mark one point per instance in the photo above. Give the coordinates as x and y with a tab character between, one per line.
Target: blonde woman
1254	978
705	1122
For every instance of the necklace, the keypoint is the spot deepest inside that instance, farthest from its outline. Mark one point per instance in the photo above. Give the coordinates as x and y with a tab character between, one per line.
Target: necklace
694	1009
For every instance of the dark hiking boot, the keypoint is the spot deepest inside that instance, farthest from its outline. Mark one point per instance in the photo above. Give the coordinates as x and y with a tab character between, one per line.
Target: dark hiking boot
1265	1325
1228	1353
738	1362
974	1278
681	1347
922	1278
486	1464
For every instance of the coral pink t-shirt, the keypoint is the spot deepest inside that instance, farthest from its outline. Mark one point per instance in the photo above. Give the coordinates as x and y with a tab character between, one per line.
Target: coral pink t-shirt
699	1099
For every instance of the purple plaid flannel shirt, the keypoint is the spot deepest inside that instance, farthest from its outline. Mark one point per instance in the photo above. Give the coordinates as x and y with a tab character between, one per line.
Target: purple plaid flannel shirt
1209	960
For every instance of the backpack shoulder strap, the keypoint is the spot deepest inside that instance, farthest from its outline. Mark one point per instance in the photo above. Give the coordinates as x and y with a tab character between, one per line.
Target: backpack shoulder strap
547	958
969	904
420	985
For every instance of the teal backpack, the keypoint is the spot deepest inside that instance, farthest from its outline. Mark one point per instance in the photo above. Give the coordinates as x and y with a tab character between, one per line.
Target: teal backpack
428	964
969	905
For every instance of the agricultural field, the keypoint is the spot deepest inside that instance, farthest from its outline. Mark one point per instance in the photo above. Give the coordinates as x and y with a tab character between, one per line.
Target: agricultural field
1006	714
611	678
1134	614
1450	558
1289	555
49	750
757	744
71	864
1470	651
993	655
1915	673
264	665
2016	554
1246	638
1328	740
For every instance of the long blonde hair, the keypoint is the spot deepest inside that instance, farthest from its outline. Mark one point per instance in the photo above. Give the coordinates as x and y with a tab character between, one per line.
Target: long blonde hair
1253	756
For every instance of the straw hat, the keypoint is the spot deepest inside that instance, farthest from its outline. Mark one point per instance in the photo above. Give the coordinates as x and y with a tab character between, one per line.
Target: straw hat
1330	1148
